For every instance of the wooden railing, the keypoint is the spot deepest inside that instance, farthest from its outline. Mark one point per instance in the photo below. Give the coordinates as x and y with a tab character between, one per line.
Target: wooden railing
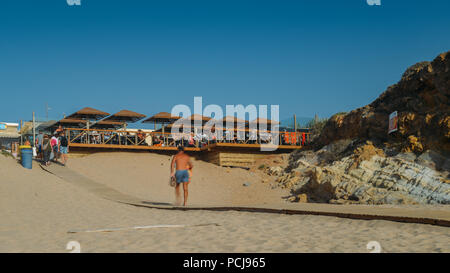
129	138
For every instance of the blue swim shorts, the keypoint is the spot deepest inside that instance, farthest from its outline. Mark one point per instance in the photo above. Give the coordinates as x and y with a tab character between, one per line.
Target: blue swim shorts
182	176
63	150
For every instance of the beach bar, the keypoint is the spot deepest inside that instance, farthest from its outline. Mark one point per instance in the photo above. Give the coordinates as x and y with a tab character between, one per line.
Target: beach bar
229	141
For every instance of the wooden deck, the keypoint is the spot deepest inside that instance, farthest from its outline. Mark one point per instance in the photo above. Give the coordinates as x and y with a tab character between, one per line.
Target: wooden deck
222	154
238	153
130	147
209	147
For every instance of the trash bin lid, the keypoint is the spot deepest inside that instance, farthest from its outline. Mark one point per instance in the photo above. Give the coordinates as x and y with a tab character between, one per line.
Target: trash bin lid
24	147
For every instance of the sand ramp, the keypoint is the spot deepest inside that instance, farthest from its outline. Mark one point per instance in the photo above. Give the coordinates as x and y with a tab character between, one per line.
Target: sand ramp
408	215
90	185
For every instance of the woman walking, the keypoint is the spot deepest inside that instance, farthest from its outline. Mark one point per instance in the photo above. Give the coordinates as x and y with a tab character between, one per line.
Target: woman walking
46	150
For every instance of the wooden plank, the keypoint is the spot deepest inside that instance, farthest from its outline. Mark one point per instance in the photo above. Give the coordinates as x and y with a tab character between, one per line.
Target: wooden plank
223	155
130	147
236	159
238	156
256	146
234	164
212	157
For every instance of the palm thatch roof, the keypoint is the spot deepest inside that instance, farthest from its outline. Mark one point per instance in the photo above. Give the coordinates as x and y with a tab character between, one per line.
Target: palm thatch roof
108	124
233	119
264	120
72	122
125	116
162	117
199	117
88	113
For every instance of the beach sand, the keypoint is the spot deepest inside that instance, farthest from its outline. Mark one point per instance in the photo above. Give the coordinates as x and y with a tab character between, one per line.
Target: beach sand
38	209
146	176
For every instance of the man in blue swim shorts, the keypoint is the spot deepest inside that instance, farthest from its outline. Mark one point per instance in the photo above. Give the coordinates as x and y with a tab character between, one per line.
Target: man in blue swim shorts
182	163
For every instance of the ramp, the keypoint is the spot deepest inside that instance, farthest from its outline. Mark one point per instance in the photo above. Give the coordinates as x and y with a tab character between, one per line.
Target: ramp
364	212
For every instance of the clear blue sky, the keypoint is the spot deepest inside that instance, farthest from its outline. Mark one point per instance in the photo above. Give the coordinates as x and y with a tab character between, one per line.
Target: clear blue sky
310	57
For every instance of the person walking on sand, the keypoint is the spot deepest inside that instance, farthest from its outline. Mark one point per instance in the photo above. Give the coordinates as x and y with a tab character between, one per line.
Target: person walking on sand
183	164
63	147
55	146
46	150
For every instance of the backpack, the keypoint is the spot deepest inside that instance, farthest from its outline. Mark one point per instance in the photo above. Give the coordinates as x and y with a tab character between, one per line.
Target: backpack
46	145
63	141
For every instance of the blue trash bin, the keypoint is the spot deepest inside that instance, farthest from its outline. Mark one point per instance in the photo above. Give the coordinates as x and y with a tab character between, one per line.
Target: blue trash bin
27	157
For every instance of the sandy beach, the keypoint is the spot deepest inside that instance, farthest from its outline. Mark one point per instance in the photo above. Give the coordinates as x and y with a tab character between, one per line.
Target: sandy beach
38	210
145	175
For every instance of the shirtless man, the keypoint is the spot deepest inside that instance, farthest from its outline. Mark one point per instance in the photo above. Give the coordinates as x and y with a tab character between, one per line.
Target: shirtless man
183	165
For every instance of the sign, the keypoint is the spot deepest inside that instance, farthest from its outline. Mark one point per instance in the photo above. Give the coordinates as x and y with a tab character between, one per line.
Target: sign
393	122
2	126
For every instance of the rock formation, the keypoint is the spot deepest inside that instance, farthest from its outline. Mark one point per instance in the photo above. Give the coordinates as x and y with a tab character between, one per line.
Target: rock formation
366	176
421	99
354	160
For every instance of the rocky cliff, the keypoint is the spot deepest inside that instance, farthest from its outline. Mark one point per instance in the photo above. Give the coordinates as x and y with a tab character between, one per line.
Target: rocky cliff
354	160
421	99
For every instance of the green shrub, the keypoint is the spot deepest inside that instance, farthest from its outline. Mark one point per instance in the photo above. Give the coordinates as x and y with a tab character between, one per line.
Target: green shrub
316	126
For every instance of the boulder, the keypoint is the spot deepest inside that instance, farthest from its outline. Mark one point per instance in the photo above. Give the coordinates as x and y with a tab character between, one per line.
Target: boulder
368	177
302	198
277	170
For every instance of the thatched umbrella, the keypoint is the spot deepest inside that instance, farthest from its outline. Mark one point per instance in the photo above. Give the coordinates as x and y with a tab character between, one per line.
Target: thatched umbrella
236	121
259	121
197	117
108	124
125	116
162	118
73	122
88	113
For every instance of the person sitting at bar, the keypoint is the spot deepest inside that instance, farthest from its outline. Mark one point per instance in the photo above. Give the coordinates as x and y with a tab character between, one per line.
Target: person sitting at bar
214	137
177	138
252	137
157	141
106	136
228	136
141	137
184	139
264	137
191	142
240	137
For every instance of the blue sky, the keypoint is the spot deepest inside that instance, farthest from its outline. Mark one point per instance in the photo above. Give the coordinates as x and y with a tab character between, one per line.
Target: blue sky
309	57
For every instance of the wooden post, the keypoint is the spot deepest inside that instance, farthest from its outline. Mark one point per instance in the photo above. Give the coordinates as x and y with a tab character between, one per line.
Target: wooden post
164	136
295	123
21	134
34	131
87	133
